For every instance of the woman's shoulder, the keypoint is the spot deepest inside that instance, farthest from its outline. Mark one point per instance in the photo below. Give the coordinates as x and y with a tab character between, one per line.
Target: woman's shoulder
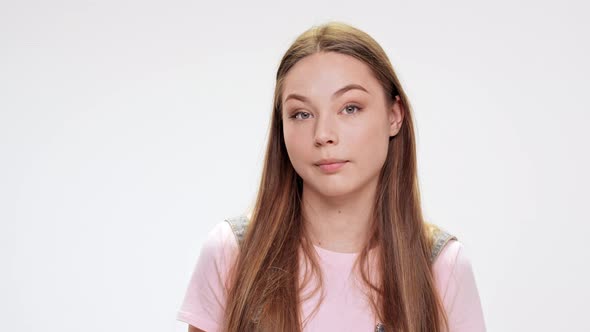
207	289
221	236
452	266
220	246
451	254
455	281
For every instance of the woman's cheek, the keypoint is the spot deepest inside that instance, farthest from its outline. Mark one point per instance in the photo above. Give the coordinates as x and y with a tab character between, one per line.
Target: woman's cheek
297	155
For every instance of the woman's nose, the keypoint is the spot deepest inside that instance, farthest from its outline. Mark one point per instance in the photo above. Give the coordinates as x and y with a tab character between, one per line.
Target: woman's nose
325	132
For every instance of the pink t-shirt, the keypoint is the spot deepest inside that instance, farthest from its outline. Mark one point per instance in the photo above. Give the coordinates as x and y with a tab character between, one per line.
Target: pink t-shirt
344	307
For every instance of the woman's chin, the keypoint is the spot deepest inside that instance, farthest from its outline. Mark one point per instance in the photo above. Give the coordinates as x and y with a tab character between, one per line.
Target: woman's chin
333	190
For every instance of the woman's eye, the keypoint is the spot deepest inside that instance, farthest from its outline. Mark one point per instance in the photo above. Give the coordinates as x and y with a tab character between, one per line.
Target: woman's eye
349	109
301	115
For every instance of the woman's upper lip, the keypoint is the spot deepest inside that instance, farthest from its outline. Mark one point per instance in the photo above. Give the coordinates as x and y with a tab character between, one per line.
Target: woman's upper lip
330	161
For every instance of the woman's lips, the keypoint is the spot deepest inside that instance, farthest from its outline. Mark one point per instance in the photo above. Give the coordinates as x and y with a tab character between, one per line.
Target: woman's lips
332	167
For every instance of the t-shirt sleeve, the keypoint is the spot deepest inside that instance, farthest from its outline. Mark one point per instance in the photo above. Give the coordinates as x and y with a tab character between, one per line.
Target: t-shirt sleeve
204	301
455	282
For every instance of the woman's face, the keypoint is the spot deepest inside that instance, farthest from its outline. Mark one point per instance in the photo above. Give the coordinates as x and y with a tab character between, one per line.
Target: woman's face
335	110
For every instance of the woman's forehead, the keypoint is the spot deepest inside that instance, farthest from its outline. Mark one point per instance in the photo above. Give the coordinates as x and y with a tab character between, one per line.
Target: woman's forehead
324	75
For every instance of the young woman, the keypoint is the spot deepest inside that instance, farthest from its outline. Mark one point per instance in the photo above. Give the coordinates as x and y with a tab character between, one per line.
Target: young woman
336	240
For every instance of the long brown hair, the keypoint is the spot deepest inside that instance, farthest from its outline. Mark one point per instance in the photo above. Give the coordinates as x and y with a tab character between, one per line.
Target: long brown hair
264	286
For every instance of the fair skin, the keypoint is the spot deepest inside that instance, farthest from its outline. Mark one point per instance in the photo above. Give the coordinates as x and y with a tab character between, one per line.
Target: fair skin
352	125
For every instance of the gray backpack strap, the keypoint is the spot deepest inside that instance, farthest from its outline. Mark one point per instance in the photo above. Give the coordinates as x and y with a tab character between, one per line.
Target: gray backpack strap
441	239
238	226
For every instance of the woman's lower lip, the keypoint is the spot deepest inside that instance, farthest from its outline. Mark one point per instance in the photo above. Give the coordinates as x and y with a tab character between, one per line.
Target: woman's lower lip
332	167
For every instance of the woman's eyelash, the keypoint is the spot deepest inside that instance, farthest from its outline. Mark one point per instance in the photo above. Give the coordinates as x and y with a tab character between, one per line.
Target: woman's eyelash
358	108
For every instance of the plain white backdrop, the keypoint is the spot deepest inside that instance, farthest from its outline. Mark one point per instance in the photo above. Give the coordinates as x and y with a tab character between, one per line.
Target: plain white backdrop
129	128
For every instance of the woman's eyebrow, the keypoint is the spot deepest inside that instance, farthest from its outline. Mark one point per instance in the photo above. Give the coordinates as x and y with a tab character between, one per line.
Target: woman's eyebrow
336	94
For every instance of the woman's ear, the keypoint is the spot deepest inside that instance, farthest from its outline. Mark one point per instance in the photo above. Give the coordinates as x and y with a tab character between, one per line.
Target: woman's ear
396	116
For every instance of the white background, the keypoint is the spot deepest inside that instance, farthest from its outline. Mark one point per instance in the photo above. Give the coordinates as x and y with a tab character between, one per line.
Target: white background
129	128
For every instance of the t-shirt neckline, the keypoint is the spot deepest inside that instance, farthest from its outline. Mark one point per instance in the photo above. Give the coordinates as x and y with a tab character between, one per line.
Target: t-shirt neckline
327	252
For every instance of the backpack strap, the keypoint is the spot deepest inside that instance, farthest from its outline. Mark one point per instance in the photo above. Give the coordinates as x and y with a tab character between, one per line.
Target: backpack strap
441	238
238	226
240	223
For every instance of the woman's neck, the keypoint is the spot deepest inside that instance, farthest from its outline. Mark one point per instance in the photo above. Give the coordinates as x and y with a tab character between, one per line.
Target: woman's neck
338	223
